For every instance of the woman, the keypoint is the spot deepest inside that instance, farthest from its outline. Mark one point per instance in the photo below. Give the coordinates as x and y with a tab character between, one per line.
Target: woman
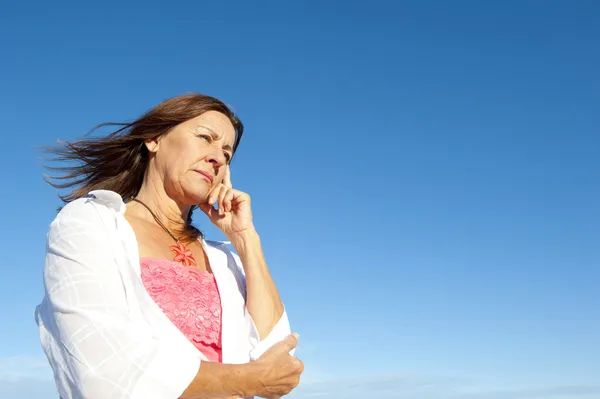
137	303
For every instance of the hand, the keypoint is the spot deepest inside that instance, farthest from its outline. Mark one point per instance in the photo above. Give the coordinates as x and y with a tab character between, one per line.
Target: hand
278	372
234	215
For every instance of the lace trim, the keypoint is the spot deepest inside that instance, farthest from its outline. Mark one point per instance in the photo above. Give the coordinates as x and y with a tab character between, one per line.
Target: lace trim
188	296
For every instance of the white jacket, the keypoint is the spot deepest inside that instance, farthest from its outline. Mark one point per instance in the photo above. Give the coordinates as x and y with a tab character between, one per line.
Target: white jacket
101	331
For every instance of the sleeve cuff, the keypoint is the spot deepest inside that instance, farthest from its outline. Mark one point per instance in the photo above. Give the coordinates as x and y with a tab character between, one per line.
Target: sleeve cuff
277	334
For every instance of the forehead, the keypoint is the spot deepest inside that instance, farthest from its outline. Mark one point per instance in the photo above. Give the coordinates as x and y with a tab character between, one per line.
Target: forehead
216	122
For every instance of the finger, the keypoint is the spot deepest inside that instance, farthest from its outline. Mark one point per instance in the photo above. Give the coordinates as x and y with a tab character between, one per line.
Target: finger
227	200
227	177
222	195
213	195
238	197
298	364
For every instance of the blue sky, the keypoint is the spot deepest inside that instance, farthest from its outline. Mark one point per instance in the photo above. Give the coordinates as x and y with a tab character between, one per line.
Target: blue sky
424	174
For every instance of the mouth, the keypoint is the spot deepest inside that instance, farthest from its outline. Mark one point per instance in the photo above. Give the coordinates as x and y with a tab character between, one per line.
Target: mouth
207	176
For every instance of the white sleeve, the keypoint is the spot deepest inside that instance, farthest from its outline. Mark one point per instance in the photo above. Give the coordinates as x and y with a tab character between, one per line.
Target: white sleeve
278	332
95	345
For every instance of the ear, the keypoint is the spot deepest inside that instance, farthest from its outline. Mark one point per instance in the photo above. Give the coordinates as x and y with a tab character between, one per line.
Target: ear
152	144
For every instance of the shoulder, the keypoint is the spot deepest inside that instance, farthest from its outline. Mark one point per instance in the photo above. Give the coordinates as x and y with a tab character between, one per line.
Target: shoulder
100	200
89	210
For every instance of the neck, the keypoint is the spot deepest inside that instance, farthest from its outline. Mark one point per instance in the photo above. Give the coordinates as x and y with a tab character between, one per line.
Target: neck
172	214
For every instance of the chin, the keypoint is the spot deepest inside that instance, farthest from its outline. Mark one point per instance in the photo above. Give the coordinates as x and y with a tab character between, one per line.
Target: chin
196	196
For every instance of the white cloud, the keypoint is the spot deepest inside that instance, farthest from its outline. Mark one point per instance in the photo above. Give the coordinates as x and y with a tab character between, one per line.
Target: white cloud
558	392
394	386
15	368
31	377
26	377
27	388
410	387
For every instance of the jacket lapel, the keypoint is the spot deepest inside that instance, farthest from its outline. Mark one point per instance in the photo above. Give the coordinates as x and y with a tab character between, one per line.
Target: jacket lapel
232	305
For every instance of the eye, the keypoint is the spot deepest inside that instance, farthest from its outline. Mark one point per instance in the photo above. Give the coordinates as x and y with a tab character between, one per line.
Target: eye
205	137
227	157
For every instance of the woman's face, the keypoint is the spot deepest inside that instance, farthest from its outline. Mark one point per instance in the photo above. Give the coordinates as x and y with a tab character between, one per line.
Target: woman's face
192	158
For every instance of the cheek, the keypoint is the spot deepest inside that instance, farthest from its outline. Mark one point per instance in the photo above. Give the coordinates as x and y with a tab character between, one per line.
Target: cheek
176	163
183	155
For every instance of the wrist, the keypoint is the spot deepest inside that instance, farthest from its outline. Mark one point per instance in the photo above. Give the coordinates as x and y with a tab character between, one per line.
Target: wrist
251	379
242	382
244	240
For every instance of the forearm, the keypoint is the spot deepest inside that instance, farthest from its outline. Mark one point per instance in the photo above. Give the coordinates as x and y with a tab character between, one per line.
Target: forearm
218	380
262	299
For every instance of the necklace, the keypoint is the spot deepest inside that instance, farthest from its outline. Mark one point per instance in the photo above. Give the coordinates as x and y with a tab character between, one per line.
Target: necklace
182	253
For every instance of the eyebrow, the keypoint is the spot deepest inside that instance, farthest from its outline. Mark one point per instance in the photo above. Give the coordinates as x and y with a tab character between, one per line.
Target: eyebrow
215	136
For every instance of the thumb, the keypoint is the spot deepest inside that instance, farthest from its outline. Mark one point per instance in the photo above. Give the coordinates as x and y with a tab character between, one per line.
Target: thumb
291	341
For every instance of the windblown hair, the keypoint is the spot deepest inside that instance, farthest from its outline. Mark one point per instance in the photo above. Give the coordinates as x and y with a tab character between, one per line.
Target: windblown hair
118	161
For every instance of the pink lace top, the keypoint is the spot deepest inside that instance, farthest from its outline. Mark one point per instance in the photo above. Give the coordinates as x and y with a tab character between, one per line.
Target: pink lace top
190	299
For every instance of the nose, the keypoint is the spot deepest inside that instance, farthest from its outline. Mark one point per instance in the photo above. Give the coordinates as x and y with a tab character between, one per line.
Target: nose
217	159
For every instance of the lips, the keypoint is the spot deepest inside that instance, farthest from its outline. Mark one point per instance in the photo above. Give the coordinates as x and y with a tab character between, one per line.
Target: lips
207	176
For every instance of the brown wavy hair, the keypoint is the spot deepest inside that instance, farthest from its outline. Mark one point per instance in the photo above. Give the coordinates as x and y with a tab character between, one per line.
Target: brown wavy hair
118	161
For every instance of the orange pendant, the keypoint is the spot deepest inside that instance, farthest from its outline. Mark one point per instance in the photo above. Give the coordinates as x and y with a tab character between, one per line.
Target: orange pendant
183	254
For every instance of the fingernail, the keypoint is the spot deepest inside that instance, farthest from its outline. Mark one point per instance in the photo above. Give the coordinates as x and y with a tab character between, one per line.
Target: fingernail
296	335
